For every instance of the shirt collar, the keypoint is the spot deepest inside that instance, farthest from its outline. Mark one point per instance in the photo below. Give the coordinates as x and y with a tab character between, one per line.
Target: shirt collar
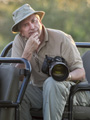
46	34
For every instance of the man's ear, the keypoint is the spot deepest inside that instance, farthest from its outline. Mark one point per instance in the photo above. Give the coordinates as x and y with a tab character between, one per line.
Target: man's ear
40	21
21	33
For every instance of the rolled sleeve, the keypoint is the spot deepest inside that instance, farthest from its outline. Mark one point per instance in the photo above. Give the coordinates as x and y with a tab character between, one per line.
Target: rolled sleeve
71	53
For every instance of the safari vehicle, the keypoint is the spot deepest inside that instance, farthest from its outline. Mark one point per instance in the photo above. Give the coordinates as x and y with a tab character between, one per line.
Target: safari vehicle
11	94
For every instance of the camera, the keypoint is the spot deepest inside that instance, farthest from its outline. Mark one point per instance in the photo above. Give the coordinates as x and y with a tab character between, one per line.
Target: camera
55	67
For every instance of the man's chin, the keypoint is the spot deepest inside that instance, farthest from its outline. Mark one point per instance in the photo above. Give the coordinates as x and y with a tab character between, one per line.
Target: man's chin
28	36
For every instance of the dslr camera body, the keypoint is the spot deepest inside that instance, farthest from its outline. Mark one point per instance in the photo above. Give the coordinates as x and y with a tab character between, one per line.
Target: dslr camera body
55	67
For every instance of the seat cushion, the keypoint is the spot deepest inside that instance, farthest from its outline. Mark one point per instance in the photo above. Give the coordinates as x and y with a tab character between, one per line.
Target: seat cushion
79	112
36	113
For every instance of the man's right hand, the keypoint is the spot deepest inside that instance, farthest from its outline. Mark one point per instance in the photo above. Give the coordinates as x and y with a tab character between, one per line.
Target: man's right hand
31	45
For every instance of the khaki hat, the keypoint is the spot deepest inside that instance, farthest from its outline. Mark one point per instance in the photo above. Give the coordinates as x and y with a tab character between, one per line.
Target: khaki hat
22	13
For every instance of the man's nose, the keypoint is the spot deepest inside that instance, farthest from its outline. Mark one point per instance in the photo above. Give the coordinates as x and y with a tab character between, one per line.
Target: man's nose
31	25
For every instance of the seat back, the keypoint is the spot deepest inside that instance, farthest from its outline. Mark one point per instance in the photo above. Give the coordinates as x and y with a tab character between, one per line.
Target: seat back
86	63
9	82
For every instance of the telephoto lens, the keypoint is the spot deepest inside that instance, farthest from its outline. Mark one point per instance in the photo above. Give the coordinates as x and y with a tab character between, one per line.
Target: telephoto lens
59	71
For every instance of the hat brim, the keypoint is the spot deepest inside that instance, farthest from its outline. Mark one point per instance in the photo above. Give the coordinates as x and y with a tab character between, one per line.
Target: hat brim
15	26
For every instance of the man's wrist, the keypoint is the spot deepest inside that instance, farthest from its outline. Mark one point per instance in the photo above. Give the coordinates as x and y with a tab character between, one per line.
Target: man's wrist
69	77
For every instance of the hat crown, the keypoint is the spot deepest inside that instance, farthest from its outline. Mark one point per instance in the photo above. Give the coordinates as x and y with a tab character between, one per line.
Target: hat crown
22	12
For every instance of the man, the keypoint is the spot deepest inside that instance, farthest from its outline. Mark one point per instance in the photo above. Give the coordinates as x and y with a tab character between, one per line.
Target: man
33	42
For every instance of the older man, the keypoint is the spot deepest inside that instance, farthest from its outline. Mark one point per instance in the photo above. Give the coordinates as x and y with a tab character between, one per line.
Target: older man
33	42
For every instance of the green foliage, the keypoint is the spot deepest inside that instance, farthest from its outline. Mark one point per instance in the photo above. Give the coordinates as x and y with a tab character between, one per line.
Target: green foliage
70	16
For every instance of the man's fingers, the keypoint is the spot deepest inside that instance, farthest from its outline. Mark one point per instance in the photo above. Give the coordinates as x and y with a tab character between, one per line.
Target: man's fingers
38	41
36	37
35	34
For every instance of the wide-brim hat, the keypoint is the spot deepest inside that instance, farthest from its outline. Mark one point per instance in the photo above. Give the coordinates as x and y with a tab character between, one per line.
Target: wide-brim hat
22	13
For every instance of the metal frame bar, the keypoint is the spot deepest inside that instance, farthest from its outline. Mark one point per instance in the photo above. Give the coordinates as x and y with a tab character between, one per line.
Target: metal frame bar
73	91
9	46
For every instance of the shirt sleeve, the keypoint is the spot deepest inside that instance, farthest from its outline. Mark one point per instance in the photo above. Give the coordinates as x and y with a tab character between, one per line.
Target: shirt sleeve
18	47
71	54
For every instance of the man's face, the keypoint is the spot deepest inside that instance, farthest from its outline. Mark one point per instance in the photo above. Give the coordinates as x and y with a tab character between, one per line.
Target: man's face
30	25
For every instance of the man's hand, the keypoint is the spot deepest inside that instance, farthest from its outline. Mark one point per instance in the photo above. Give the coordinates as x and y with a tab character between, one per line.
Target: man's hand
31	45
77	75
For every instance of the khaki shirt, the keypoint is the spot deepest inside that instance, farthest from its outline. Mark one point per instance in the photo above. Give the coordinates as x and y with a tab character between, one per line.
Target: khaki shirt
56	43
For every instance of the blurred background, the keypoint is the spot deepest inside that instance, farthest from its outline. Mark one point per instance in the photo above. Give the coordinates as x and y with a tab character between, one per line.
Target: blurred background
70	16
